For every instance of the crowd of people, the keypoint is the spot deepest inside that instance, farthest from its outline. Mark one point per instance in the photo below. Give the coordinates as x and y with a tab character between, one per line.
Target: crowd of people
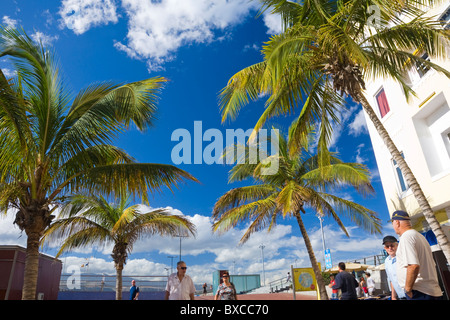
410	269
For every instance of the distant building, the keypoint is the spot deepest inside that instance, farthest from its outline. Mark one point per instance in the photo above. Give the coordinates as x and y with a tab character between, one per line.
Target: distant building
420	128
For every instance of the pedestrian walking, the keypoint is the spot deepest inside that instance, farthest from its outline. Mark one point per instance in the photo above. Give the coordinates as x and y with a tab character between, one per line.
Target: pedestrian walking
334	292
226	290
390	244
363	287
180	285
416	269
370	285
346	282
288	277
134	291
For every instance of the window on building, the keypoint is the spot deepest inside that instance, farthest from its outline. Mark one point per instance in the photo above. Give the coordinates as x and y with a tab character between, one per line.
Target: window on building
446	138
382	102
432	124
421	68
402	184
445	19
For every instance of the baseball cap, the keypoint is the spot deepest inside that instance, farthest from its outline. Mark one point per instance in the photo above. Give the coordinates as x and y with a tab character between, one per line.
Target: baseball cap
399	215
389	239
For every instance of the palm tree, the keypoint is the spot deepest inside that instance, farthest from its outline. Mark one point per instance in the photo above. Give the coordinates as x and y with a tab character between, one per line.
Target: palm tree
302	181
334	45
89	220
53	144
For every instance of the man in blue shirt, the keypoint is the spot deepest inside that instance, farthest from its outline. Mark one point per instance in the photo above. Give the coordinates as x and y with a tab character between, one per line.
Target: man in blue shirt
134	291
390	244
346	282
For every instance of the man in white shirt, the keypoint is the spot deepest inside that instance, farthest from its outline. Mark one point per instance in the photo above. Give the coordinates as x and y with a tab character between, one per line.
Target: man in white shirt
390	244
370	284
179	285
416	269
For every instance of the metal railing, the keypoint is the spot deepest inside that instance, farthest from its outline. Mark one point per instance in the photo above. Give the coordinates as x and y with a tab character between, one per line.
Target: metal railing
102	283
279	285
374	260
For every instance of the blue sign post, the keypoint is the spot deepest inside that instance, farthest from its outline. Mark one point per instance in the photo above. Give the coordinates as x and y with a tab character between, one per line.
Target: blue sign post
328	263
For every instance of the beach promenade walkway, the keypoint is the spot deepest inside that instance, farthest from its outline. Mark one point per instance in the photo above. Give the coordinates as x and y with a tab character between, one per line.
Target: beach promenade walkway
266	296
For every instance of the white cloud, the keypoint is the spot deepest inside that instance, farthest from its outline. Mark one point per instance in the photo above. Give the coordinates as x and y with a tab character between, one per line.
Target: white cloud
374	174
253	47
9	73
224	247
359	158
45	39
9	21
48	17
358	125
96	265
10	233
273	23
81	15
156	30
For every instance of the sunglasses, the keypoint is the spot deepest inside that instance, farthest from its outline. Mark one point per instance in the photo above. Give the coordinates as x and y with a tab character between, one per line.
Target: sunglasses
225	276
183	268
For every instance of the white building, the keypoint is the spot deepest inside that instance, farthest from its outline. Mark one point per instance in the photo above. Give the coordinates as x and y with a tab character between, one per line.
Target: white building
420	128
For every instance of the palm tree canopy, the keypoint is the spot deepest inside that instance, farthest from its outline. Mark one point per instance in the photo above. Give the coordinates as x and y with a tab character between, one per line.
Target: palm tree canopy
87	220
330	47
301	181
53	143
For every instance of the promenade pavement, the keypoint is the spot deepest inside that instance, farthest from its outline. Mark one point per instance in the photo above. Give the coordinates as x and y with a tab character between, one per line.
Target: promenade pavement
266	296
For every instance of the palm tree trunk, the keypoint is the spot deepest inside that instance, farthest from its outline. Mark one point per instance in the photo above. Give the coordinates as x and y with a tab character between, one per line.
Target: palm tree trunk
407	173
31	267
312	258
119	268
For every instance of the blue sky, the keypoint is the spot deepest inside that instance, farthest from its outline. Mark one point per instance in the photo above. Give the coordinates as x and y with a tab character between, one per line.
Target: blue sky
197	45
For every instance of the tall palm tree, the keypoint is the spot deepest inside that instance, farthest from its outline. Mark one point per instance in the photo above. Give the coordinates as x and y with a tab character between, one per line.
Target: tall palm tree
302	181
53	144
89	220
335	45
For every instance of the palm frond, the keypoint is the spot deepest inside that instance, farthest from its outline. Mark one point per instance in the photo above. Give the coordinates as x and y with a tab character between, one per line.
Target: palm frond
292	197
136	178
259	211
41	81
91	219
238	196
77	232
243	86
159	222
361	216
340	174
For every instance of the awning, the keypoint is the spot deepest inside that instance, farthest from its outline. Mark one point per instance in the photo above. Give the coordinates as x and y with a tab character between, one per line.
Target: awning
349	266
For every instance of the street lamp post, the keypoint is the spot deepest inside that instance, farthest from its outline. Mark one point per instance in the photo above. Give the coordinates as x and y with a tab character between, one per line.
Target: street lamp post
171	263
264	273
181	236
323	238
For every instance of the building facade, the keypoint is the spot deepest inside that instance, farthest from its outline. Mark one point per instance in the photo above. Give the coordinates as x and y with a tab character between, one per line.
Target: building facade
420	128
